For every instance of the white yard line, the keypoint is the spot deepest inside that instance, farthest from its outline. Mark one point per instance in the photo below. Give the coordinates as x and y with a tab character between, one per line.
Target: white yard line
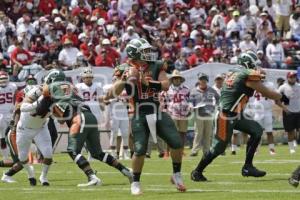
51	190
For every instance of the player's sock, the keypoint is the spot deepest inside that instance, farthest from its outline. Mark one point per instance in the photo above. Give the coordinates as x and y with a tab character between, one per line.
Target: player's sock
271	146
29	170
176	167
45	170
136	176
295	143
233	147
251	148
15	169
205	161
291	145
84	165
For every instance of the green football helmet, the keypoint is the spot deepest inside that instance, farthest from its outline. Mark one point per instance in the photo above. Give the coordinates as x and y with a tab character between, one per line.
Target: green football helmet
140	49
54	75
248	60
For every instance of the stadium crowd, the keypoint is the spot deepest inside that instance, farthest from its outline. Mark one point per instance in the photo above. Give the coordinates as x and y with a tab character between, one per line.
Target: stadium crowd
185	33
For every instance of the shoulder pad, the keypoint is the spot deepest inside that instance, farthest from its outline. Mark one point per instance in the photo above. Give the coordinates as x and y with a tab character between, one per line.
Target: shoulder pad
254	75
119	70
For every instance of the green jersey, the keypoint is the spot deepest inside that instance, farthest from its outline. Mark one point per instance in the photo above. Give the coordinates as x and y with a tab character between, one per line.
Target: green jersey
235	93
143	99
64	97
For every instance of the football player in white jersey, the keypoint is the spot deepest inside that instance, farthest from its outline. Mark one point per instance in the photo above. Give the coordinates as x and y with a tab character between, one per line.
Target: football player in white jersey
89	91
7	93
32	127
118	113
261	107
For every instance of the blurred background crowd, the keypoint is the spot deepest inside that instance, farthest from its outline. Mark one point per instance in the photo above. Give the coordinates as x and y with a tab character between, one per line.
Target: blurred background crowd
185	33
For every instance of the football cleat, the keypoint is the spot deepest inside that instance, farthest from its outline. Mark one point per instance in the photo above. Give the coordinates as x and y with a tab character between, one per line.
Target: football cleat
32	181
272	152
177	180
136	188
233	152
7	179
193	154
295	178
44	181
252	171
93	181
128	173
198	176
292	151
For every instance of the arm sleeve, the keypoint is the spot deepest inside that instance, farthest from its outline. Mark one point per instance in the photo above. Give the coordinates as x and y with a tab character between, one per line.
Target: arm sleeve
28	107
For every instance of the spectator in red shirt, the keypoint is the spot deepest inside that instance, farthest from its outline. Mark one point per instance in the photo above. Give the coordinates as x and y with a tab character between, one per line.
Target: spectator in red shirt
90	54
19	58
112	53
103	60
70	35
80	9
99	11
196	58
39	49
46	6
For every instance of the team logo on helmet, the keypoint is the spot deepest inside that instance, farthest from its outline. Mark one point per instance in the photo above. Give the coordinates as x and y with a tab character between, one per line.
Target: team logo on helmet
248	60
54	75
140	49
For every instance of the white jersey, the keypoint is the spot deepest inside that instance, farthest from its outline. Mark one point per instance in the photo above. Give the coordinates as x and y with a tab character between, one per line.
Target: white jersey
90	96
7	94
117	108
27	118
258	101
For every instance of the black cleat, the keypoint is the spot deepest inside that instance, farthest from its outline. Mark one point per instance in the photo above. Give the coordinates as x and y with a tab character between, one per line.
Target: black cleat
161	154
32	181
198	176
295	178
252	171
233	152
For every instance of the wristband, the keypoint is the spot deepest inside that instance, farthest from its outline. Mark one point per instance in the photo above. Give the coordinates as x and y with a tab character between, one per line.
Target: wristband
156	85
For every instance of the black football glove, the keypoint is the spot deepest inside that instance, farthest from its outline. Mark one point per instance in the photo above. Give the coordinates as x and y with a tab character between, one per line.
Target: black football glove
284	99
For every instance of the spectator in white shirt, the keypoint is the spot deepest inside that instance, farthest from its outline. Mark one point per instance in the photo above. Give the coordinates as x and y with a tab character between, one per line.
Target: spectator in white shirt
197	13
283	11
295	24
124	6
68	55
235	26
249	21
247	44
129	34
271	9
275	54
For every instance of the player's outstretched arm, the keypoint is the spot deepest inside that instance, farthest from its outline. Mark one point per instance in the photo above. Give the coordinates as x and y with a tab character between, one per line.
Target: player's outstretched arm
266	92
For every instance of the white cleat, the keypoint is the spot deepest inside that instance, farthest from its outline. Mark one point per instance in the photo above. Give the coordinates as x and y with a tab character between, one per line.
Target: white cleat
136	188
126	155
292	151
44	181
7	179
178	181
272	152
93	181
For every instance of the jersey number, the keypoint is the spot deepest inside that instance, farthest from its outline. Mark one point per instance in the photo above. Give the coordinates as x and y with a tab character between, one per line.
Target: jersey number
88	97
6	98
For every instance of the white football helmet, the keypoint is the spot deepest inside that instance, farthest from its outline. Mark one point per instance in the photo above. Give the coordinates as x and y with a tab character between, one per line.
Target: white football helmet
87	73
4	79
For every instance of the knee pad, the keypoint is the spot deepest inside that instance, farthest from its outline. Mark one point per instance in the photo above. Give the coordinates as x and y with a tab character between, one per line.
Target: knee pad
106	158
81	161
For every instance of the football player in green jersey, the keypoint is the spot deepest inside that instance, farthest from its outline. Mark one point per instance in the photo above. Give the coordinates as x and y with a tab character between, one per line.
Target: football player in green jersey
144	78
295	177
62	99
239	85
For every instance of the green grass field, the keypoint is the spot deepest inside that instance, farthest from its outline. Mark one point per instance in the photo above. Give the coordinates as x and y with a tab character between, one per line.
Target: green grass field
225	180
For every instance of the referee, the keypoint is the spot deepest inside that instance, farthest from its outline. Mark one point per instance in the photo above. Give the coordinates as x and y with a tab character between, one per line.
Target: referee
291	111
